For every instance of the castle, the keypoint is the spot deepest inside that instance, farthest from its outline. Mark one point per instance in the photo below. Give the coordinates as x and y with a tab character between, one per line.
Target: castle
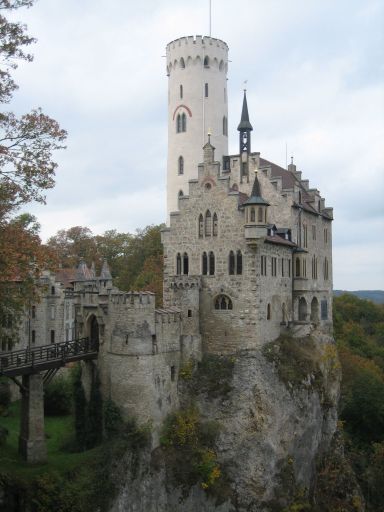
247	254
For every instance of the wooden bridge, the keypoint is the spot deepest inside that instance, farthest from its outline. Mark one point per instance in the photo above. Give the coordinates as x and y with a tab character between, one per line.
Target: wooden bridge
37	366
47	357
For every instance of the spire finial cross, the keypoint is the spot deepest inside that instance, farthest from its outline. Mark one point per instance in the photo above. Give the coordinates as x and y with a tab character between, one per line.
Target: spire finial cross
245	85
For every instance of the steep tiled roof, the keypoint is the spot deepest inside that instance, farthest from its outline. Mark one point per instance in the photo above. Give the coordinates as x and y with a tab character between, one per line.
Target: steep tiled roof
66	276
279	240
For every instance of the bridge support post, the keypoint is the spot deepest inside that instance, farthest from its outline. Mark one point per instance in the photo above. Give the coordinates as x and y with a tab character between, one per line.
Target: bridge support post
32	446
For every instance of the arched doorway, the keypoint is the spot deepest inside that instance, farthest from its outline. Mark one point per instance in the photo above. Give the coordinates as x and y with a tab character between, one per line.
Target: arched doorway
314	310
93	331
302	310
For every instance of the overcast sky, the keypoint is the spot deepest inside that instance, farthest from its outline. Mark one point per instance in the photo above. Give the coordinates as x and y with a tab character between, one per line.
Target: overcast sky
315	71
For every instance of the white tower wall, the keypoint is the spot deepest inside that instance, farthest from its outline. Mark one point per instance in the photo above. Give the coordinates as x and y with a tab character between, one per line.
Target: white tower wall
185	67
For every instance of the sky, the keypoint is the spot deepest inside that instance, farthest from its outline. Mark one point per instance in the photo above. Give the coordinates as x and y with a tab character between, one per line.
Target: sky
315	83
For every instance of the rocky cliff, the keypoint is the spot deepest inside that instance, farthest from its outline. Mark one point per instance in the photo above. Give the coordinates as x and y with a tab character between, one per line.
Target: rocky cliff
273	413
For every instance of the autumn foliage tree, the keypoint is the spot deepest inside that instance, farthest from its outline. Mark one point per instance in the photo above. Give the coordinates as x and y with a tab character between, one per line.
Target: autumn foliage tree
27	170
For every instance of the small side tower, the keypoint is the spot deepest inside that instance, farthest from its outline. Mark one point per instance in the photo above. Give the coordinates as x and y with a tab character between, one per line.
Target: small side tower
197	104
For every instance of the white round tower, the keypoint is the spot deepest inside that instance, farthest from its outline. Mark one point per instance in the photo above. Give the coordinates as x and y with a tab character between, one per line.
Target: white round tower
197	104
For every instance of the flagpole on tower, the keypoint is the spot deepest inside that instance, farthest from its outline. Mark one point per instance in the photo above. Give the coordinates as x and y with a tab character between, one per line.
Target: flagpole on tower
210	18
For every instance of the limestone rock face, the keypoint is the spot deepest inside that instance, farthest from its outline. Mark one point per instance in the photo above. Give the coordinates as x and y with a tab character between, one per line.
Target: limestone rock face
278	417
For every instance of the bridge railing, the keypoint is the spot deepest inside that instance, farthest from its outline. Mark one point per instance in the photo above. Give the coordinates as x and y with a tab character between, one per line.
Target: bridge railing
35	356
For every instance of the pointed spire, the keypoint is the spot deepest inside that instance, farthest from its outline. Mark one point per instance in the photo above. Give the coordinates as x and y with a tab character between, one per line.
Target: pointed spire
105	272
245	125
256	197
82	272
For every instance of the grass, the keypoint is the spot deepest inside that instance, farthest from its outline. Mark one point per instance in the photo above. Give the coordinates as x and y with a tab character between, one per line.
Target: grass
59	431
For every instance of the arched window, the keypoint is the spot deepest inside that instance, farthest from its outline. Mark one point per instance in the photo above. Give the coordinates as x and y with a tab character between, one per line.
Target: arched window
208	223
235	187
180	165
215	224
206	61
260	215
182	63
181	92
314	310
211	259
225	125
268	312
185	264
180	194
179	126
178	264
239	263
205	264
201	226
223	302
297	268
253	218
183	122
231	263
302	310
206	90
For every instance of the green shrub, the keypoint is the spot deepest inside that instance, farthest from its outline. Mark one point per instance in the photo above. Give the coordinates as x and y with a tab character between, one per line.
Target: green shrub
3	435
113	421
5	393
58	397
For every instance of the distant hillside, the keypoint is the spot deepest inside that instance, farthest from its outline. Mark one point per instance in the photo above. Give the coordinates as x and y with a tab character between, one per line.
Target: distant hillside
376	296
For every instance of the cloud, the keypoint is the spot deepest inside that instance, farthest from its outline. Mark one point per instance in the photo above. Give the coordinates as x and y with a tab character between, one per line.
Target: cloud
315	82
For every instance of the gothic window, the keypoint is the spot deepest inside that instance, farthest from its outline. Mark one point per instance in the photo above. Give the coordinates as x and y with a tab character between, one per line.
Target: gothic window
185	264
274	266
268	312
182	63
215	224
183	122
253	218
33	311
205	264
225	125
201	226
305	235
208	223
52	290
33	337
260	215
206	62
263	265
180	165
178	264
211	259
52	336
231	263
239	263
326	269
181	92
297	270
223	302
235	187
206	90
304	267
180	194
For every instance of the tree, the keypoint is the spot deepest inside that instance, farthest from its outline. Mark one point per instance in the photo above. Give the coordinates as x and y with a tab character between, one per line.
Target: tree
26	171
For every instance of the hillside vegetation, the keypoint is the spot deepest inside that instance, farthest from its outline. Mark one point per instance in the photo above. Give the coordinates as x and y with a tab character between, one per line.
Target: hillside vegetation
359	332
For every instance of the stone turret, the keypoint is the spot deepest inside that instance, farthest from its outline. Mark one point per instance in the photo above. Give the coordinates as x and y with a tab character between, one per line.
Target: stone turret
255	214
